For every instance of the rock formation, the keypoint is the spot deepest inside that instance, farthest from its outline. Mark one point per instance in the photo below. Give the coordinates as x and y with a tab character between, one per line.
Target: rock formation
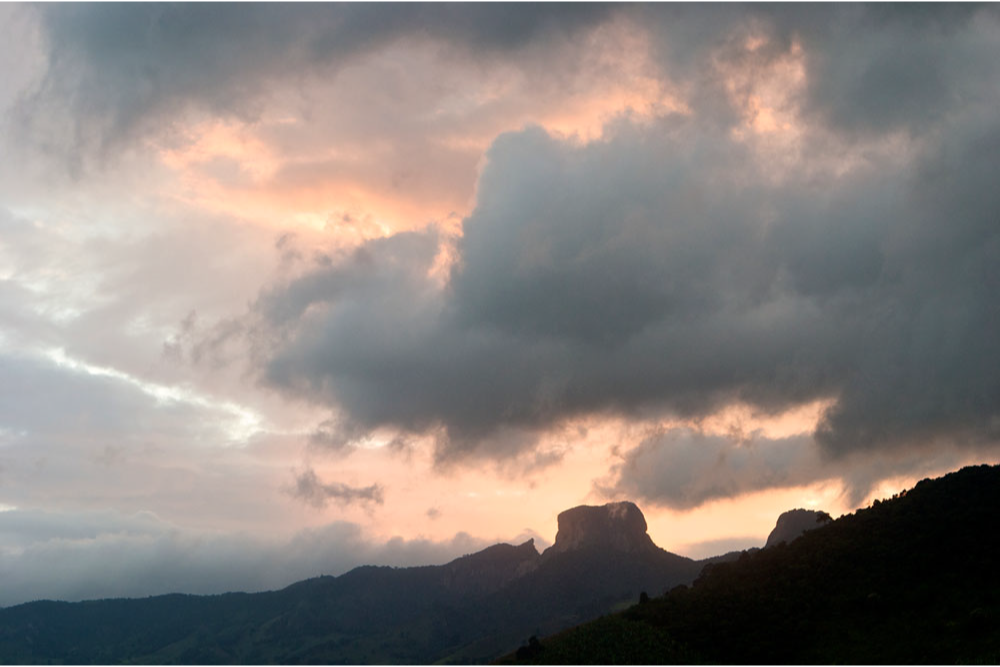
793	523
615	526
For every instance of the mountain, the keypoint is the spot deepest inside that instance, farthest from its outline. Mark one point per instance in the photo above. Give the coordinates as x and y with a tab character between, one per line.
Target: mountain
793	523
911	580
602	559
472	609
614	527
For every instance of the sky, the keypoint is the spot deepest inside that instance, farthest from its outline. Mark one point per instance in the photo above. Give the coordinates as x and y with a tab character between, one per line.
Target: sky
287	289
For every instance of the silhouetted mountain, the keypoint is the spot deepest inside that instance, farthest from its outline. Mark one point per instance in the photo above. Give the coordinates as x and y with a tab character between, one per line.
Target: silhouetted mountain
911	580
469	610
617	527
602	559
793	523
490	569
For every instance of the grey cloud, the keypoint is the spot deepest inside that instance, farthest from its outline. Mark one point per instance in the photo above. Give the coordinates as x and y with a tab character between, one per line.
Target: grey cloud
545	314
336	435
110	298
72	439
22	528
877	68
54	404
684	468
367	272
596	278
310	489
662	270
123	69
870	68
117	71
927	370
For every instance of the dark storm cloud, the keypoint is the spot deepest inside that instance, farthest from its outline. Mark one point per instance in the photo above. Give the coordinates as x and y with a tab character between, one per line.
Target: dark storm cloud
876	68
119	69
606	277
871	68
310	489
683	468
662	270
336	435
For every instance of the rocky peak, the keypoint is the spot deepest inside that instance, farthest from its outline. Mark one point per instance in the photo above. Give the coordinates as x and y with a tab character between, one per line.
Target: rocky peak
793	523
615	526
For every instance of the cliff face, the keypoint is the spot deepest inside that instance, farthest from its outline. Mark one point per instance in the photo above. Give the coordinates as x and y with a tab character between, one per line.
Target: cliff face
793	523
615	526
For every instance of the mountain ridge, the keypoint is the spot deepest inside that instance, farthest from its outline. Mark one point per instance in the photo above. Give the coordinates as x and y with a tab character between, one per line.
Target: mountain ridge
470	609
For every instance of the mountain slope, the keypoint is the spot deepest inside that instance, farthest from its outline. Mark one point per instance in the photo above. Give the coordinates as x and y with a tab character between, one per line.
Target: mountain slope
912	580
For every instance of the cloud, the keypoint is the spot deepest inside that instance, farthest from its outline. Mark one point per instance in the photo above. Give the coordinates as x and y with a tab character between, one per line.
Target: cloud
666	270
870	69
880	69
333	435
309	489
119	71
56	404
683	468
